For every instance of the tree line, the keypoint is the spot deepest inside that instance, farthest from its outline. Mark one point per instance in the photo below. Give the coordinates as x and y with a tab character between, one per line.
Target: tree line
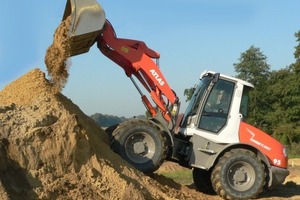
275	100
105	120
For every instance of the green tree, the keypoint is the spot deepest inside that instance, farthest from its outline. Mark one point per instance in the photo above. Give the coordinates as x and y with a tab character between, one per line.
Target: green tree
284	88
253	67
188	93
284	100
296	66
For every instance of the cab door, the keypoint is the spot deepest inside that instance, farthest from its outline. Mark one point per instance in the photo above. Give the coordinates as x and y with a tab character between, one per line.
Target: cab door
216	109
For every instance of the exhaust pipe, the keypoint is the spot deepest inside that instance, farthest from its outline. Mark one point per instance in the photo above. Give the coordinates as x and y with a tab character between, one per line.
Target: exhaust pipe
87	19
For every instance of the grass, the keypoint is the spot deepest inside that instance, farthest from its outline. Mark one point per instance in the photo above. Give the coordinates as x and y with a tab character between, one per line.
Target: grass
183	177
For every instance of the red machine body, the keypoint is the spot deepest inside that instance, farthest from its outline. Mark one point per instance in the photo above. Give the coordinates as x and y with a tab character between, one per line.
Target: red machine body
137	59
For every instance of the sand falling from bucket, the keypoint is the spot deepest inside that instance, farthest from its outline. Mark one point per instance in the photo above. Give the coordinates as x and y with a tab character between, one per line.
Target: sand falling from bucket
56	58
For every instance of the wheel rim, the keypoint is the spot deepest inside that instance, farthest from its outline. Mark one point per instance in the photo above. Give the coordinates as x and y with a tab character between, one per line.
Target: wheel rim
241	176
140	147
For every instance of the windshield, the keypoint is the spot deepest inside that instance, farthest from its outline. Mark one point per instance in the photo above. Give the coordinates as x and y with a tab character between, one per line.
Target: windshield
196	99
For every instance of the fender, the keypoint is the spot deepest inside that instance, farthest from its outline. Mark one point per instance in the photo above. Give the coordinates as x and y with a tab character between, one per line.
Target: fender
164	128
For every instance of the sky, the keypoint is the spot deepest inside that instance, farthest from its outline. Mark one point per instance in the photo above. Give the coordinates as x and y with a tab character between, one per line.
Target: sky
190	35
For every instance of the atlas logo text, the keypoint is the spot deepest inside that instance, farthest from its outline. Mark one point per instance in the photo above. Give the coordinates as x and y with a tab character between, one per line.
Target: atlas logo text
156	76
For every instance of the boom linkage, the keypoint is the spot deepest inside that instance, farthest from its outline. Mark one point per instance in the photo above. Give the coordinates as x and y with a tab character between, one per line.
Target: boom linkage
137	59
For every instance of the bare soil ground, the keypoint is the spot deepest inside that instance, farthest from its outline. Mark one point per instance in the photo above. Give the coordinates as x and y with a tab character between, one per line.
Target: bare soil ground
49	149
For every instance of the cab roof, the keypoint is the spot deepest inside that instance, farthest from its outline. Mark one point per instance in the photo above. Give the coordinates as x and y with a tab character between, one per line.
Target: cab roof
223	76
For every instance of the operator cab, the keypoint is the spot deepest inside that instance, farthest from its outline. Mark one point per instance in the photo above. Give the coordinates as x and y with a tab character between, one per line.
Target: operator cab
214	103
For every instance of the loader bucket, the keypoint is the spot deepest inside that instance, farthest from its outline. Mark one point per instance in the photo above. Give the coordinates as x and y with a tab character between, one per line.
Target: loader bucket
87	19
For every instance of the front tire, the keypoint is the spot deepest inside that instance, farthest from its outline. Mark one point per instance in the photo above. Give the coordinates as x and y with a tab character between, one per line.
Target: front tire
239	174
140	143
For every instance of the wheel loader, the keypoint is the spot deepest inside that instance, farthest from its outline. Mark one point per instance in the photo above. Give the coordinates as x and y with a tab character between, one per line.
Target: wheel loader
227	155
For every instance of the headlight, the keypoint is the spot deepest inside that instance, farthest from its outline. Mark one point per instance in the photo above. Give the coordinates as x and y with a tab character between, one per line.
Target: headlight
285	151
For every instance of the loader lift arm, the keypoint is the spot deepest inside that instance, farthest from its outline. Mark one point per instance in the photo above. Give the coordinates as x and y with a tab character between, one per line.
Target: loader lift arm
138	60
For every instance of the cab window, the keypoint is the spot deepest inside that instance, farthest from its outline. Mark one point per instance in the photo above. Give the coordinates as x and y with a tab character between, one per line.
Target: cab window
216	108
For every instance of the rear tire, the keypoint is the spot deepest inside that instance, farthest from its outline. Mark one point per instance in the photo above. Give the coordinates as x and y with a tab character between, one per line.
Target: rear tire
239	174
202	181
141	144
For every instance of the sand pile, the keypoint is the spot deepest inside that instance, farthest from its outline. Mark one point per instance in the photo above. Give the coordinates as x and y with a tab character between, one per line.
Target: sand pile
49	149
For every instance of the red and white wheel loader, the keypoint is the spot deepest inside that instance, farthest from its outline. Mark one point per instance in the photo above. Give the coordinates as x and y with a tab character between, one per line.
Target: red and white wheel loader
228	156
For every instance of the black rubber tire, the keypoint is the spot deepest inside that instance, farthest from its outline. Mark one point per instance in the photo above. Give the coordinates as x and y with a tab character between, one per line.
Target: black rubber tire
110	130
140	143
202	181
239	174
